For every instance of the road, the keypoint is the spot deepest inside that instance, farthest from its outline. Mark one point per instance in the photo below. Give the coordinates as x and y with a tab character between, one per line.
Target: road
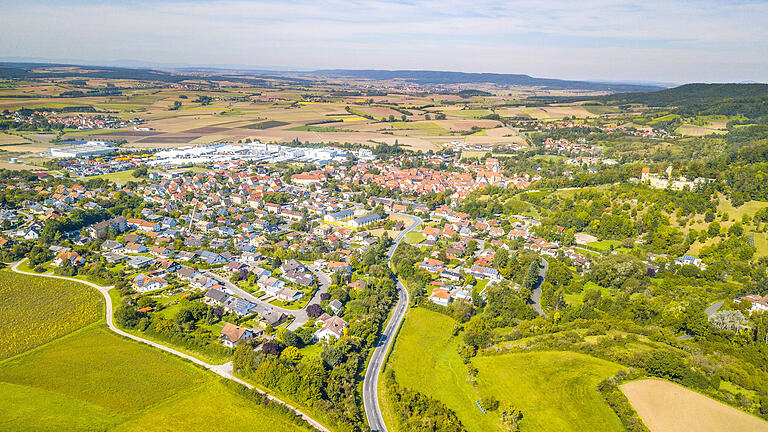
714	308
28	220
371	381
536	296
299	315
224	370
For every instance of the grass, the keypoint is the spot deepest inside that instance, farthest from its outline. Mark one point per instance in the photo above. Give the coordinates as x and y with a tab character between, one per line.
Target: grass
604	245
95	380
120	177
428	128
556	391
36	310
415	237
92	379
266	124
310	128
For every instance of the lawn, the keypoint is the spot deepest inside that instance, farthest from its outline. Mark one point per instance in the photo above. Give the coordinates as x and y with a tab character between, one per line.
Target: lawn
556	391
36	310
415	237
604	245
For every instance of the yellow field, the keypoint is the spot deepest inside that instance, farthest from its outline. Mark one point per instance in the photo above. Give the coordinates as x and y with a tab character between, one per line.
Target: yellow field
668	407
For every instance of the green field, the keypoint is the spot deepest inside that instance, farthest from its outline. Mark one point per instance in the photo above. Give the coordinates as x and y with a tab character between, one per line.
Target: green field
95	380
311	128
557	391
266	124
604	245
92	379
428	128
36	310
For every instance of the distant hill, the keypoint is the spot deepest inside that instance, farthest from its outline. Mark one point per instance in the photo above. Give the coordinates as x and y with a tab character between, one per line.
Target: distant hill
14	70
692	93
749	100
441	77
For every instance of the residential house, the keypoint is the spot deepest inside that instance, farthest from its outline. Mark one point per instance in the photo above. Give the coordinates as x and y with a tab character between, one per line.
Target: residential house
144	283
335	305
215	297
231	334
440	296
270	285
73	257
332	327
288	295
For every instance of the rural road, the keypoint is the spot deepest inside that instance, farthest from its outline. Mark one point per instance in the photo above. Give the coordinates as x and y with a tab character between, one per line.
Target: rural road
224	370
371	381
536	296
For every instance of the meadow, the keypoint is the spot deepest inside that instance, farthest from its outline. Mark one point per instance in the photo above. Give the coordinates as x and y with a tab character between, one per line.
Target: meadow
557	391
95	380
87	378
37	310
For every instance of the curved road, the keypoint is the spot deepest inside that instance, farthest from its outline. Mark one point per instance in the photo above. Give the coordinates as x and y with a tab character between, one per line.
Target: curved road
371	381
300	315
224	370
536	296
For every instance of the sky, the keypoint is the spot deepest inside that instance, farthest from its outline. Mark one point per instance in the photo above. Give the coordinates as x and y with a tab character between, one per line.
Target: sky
653	40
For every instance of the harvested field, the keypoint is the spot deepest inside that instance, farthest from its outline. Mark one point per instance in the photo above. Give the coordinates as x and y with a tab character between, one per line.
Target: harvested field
134	133
208	130
169	139
669	407
6	139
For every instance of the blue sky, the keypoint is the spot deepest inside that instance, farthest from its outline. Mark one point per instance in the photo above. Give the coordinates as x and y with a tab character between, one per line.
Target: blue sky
653	40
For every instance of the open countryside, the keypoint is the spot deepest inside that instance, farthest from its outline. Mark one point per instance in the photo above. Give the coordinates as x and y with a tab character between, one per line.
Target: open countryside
383	216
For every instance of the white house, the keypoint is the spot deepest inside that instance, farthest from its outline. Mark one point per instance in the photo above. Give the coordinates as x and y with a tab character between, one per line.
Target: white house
270	285
333	327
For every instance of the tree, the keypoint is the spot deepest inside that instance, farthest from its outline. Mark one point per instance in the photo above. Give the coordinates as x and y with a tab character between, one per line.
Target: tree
471	248
314	310
730	320
713	229
291	354
477	334
511	416
665	364
271	348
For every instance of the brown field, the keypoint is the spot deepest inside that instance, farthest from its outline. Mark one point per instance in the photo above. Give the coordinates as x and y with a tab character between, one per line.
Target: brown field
6	139
166	139
668	407
692	130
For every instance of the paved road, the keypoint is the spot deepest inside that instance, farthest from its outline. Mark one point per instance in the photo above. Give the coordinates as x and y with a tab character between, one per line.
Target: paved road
714	308
28	220
224	370
371	381
299	315
536	296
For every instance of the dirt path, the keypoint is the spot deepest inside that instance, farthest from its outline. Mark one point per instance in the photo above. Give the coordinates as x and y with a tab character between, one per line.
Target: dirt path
224	370
668	407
